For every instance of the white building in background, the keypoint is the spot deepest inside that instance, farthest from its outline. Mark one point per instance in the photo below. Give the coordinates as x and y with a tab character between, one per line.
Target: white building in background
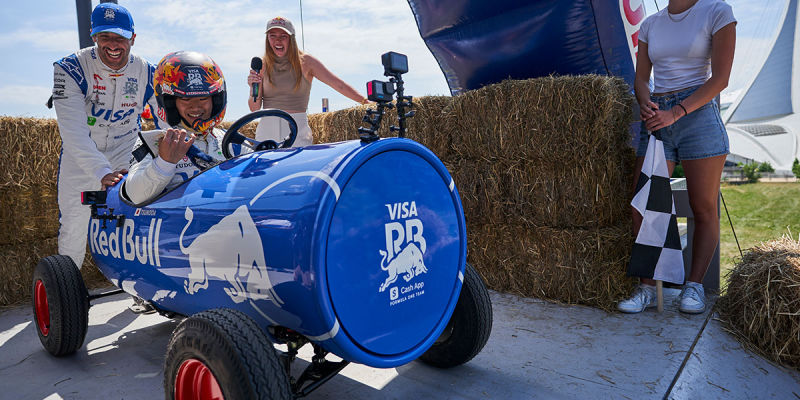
763	123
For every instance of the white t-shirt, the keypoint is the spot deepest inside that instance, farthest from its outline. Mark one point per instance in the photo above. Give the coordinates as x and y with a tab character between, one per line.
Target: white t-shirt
679	45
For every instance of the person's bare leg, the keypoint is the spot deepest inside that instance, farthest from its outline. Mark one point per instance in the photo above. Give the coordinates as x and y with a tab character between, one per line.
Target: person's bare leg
635	216
702	182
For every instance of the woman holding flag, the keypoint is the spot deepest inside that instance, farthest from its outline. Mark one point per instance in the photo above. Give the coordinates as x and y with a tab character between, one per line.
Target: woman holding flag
689	47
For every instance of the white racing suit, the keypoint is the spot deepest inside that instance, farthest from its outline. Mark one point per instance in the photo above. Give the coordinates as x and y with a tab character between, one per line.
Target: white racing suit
98	111
151	176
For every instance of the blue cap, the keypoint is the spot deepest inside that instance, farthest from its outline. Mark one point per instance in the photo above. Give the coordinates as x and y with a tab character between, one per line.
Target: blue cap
110	17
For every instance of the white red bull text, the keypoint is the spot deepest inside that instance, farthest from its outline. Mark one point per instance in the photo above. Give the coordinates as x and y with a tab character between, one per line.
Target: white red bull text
124	243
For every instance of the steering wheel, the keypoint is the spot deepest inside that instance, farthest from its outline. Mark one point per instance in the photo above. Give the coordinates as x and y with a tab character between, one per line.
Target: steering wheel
232	136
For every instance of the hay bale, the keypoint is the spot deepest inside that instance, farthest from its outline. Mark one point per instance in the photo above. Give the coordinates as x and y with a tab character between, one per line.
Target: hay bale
429	126
32	211
31	147
248	129
320	127
761	304
525	152
20	259
574	266
148	125
556	120
578	195
338	126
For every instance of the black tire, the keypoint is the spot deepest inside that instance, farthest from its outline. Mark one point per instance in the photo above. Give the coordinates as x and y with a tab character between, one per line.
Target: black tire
60	305
469	327
227	342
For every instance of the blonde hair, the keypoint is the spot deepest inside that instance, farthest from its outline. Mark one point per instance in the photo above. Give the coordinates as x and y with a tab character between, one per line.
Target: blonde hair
295	60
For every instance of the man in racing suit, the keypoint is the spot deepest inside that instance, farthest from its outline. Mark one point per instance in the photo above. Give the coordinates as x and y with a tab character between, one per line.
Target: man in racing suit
190	91
99	94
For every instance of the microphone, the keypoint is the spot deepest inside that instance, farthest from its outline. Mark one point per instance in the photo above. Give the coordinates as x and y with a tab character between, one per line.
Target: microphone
255	64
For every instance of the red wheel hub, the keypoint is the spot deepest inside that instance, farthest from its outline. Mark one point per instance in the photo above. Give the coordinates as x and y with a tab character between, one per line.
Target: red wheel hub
42	308
196	382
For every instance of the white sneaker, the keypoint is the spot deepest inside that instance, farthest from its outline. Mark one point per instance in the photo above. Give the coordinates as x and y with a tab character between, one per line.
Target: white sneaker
644	296
693	298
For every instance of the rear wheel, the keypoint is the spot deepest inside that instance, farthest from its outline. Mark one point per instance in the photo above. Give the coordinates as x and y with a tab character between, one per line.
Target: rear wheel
223	354
469	326
60	305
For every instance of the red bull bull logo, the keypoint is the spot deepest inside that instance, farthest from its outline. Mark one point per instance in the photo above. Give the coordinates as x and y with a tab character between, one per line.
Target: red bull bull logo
405	248
230	251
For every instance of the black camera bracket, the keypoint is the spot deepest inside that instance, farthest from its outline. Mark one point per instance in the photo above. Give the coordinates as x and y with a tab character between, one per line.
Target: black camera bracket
96	199
394	66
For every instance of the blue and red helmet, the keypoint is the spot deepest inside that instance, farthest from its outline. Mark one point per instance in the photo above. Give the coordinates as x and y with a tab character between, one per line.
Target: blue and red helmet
189	74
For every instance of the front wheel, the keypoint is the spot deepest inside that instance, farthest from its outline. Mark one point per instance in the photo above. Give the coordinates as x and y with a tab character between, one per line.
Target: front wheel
223	354
469	326
60	305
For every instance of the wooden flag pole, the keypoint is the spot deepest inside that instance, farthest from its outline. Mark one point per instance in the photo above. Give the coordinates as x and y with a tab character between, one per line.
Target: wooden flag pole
660	295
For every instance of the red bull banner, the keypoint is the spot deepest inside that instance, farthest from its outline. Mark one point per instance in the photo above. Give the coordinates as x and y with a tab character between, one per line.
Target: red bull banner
482	42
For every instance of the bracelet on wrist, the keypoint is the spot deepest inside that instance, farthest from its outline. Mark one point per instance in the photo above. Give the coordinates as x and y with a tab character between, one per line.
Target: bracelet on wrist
685	113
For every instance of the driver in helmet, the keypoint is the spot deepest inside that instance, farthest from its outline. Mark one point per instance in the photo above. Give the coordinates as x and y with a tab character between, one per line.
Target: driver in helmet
190	91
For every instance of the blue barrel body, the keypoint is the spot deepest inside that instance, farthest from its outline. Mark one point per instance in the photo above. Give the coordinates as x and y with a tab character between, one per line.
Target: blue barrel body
360	247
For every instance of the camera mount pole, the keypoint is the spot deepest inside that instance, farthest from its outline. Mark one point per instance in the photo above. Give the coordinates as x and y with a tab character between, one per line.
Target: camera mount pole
402	103
373	118
394	66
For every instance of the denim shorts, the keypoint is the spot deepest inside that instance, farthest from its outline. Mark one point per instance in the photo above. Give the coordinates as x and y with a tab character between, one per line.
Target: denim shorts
701	134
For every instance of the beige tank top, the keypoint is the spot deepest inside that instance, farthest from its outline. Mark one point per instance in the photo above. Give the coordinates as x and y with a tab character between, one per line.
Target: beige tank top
280	93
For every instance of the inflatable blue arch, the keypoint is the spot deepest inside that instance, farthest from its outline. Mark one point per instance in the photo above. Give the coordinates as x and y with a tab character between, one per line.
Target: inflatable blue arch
482	42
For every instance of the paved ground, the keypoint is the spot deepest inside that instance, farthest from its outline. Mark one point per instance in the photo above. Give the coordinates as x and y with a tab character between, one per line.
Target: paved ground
537	350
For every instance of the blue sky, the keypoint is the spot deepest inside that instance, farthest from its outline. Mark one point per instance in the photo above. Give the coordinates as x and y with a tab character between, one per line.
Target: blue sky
347	36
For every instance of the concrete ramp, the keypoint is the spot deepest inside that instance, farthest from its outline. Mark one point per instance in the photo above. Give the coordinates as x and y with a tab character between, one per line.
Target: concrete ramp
537	350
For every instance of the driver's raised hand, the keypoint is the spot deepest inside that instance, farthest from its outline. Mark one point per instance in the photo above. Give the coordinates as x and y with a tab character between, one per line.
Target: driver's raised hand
173	146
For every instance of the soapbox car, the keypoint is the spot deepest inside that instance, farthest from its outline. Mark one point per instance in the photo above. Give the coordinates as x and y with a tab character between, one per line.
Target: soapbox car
355	248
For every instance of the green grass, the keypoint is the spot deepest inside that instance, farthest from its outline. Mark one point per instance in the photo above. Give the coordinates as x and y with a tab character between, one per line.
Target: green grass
760	212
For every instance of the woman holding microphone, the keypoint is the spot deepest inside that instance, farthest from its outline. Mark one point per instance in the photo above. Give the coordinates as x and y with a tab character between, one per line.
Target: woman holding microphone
284	83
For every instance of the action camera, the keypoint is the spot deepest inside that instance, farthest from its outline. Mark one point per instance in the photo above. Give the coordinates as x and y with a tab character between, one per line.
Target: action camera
394	63
379	91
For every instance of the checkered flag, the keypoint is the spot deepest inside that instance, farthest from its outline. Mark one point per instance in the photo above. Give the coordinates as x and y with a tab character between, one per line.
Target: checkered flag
657	251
